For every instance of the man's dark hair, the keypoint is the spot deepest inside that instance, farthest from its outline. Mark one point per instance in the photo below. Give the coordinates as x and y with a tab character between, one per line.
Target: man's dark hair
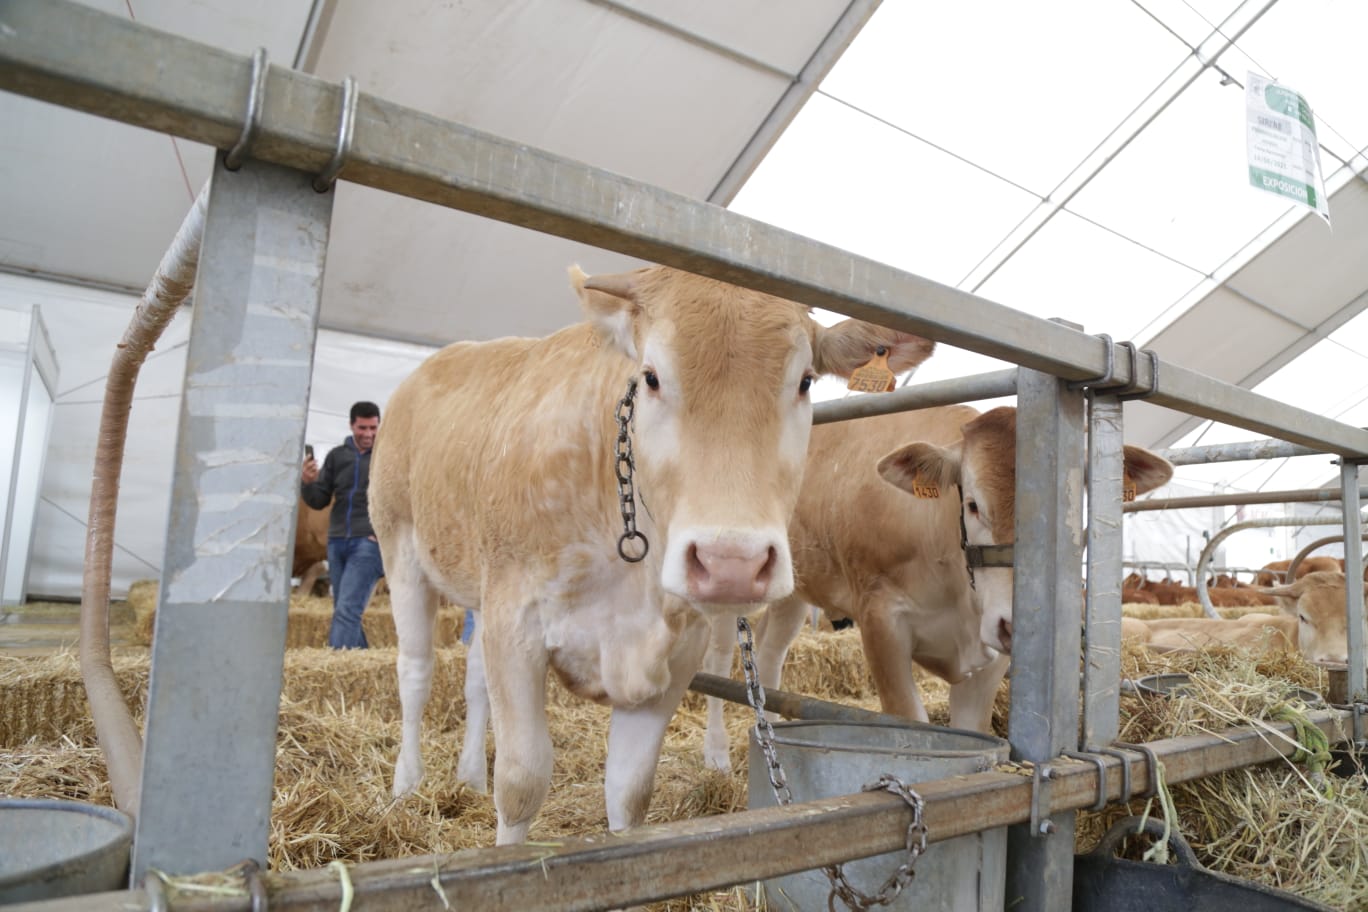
364	410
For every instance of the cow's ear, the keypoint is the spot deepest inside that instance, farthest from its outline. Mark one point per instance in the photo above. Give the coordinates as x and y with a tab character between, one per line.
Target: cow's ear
849	344
610	303
921	469
1146	470
1287	596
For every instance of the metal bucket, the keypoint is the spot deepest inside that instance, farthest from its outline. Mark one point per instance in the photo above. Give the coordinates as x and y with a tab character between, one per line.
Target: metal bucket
1163	685
826	759
50	849
1105	883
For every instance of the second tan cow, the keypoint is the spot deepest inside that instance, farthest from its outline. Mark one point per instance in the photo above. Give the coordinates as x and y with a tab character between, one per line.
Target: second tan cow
891	559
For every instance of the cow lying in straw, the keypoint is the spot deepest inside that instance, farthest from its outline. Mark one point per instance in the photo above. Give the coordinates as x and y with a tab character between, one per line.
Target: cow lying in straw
508	475
1313	620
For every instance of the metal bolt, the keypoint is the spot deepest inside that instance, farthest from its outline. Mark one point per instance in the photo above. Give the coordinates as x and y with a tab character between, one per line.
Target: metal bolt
1046	827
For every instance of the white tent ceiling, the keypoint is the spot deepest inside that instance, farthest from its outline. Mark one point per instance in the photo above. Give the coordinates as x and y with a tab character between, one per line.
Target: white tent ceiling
1070	158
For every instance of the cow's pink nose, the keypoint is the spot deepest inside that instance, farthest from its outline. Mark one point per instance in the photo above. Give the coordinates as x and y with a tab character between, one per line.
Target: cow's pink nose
729	572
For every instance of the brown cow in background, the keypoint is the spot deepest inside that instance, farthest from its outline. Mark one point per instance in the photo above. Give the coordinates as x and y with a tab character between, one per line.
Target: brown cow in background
1275	573
310	548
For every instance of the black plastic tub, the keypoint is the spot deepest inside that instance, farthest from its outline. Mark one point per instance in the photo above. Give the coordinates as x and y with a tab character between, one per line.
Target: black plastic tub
1105	883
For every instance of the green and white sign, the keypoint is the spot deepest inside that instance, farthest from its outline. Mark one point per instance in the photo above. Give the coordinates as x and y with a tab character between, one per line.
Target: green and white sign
1284	157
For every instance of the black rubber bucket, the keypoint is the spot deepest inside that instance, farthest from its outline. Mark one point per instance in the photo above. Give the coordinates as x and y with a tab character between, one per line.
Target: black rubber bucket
1105	883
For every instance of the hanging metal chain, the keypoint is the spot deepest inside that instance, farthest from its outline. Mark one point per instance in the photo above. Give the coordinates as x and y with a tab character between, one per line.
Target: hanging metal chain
764	730
841	888
625	468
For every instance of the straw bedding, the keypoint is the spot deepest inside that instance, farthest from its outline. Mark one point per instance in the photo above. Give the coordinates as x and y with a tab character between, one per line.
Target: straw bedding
340	732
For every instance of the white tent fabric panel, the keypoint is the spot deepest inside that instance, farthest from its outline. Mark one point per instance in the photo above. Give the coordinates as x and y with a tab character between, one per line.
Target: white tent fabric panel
85	325
98	201
1305	286
586	80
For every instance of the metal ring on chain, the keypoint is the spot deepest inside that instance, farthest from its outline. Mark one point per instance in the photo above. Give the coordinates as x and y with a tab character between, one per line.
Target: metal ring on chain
624	538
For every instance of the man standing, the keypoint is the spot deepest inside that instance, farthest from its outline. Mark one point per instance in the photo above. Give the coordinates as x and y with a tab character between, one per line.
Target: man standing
353	553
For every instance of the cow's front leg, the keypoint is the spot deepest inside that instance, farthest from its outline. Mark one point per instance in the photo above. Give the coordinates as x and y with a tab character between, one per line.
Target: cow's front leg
888	649
718	661
971	700
637	732
473	767
515	674
775	632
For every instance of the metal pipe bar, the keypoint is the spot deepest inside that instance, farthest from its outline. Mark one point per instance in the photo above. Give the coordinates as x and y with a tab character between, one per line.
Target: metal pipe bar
1305	552
1205	558
200	93
1305	495
209	766
619	869
923	395
1102	607
1353	557
1044	717
789	705
1235	452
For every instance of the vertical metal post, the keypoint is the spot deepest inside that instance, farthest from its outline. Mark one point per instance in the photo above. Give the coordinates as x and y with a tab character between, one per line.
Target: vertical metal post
1353	568
1102	619
1045	625
218	654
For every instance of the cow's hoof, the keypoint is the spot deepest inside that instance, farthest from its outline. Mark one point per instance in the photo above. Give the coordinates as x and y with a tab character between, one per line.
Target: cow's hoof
406	778
719	760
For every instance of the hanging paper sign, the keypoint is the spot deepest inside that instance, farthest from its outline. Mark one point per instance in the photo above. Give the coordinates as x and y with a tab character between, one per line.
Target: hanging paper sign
1280	132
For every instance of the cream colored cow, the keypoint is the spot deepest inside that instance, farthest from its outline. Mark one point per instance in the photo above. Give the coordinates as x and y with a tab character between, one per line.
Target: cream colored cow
892	561
1314	620
494	483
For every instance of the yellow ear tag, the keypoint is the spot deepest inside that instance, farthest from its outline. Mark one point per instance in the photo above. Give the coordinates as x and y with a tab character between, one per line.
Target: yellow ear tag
874	376
926	490
1127	492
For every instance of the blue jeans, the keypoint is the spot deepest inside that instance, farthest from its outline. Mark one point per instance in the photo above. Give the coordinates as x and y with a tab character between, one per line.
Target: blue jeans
468	628
354	568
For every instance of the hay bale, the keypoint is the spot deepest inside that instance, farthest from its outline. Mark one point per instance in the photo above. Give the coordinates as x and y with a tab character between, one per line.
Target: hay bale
310	617
45	699
1187	609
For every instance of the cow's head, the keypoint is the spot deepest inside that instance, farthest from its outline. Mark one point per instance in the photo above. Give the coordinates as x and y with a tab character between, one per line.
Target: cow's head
1317	602
983	466
722	417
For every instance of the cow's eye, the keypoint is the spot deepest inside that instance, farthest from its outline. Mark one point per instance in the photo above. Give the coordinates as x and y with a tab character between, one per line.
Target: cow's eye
972	507
804	385
1303	618
651	379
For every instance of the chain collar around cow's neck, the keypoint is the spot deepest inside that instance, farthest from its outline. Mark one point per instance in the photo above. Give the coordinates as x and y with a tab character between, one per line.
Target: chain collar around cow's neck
626	468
